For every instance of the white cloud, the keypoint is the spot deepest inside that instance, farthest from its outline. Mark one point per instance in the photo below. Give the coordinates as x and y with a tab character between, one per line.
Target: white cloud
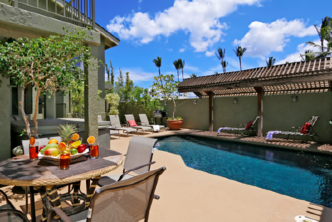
209	53
295	57
136	74
191	68
182	50
264	38
200	18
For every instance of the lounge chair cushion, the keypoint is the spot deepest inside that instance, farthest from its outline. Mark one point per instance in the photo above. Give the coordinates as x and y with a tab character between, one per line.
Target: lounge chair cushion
305	128
249	124
132	123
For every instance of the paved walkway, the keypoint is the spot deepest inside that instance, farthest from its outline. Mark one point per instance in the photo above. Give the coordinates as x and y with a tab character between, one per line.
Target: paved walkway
192	195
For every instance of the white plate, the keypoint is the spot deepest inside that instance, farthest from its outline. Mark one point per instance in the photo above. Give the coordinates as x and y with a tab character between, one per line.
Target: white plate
77	155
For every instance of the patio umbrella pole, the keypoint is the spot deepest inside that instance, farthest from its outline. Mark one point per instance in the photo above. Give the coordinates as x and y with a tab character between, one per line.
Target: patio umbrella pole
32	204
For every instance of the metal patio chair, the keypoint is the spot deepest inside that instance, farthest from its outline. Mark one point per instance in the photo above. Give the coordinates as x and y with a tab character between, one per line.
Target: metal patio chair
9	213
115	122
138	160
145	122
241	127
126	200
143	128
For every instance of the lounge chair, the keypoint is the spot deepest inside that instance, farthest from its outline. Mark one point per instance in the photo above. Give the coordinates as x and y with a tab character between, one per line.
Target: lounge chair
145	122
9	213
115	122
249	127
296	131
127	200
130	117
115	132
99	118
138	160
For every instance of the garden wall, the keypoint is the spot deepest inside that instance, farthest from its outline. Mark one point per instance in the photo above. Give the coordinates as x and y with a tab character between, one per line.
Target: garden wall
279	112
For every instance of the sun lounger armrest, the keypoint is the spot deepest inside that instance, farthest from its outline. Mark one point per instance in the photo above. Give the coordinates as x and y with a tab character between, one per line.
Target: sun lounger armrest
136	168
122	125
60	213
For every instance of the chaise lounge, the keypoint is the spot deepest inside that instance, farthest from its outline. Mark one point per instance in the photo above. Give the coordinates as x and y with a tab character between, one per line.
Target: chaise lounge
115	125
249	127
145	122
131	122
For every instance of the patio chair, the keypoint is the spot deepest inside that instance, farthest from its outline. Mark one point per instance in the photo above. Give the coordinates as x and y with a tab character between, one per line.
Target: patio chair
130	117
138	160
9	213
115	132
115	124
249	127
127	200
296	131
145	122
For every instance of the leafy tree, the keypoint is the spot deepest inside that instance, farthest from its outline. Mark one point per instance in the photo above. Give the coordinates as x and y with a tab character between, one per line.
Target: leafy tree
166	91
113	99
77	97
221	55
181	65
157	62
128	87
110	73
193	75
119	85
224	65
49	64
308	56
177	67
270	62
239	51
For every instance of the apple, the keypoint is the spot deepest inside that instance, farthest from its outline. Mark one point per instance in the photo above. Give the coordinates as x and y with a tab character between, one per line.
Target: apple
81	148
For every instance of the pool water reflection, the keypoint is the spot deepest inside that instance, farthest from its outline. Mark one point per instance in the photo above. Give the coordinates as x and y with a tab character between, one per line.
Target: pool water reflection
302	175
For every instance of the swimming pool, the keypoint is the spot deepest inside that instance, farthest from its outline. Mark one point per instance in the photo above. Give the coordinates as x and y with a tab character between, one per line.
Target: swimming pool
302	175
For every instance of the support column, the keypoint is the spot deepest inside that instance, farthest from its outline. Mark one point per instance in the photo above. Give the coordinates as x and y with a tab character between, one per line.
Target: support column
50	107
260	93
210	110
101	78
91	96
5	103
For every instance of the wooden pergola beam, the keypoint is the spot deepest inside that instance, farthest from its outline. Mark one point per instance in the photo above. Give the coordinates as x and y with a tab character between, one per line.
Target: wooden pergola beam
210	94
198	94
260	93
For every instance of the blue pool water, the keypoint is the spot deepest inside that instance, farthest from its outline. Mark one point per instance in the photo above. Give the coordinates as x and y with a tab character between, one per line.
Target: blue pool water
301	175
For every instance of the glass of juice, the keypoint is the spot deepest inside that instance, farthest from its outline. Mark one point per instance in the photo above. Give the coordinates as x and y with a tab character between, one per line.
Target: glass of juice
64	161
94	151
33	151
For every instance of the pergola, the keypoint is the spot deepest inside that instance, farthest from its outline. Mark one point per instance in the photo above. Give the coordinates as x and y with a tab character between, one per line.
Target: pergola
289	78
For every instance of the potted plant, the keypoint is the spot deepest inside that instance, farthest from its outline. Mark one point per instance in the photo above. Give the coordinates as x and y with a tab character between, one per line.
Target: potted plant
164	86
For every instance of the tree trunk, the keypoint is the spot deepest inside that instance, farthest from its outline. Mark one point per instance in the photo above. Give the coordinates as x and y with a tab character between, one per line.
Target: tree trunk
182	74
159	70
240	63
174	108
322	43
25	118
35	115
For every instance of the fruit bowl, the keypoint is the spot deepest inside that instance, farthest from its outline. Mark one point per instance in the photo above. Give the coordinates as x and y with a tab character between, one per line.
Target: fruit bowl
57	158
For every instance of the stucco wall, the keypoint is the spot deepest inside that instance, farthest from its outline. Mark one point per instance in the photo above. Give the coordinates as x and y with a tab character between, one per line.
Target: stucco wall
5	148
279	112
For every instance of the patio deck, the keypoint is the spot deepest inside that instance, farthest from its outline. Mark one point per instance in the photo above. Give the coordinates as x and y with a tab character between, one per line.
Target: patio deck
192	195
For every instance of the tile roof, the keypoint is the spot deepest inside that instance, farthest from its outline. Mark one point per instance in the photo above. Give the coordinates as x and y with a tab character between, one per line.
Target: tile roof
312	75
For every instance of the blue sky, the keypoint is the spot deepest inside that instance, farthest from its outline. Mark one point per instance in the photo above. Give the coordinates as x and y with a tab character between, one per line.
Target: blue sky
194	29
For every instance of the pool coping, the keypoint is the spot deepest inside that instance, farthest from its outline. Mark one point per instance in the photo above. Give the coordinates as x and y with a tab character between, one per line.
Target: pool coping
237	140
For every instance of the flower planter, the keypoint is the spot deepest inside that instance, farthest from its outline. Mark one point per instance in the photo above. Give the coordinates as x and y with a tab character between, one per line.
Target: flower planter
174	124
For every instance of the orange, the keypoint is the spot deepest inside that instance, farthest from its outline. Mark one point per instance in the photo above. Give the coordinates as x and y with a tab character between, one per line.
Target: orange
62	147
75	136
91	140
32	140
53	141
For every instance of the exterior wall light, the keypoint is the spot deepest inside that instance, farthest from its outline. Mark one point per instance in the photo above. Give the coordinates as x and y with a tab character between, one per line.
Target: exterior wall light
165	103
195	102
294	99
235	101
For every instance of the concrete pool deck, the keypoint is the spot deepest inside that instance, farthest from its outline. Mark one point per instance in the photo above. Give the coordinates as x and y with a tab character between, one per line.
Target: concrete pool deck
192	195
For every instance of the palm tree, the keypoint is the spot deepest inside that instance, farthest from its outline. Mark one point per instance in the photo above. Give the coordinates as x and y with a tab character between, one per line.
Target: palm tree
224	65
270	62
193	75
221	55
181	65
325	23
177	67
239	51
308	56
157	62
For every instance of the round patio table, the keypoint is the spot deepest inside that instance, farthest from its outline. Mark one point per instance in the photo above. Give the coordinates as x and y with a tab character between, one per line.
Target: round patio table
45	175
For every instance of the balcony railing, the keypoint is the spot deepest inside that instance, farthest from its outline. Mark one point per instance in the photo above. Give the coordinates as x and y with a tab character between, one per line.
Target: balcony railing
78	12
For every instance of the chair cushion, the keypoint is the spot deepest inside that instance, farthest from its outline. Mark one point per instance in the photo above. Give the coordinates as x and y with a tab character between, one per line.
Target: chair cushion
132	123
79	217
305	128
5	207
107	180
249	124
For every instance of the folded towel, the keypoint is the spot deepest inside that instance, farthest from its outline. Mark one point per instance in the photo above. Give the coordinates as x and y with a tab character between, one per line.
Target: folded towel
222	128
156	128
269	135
